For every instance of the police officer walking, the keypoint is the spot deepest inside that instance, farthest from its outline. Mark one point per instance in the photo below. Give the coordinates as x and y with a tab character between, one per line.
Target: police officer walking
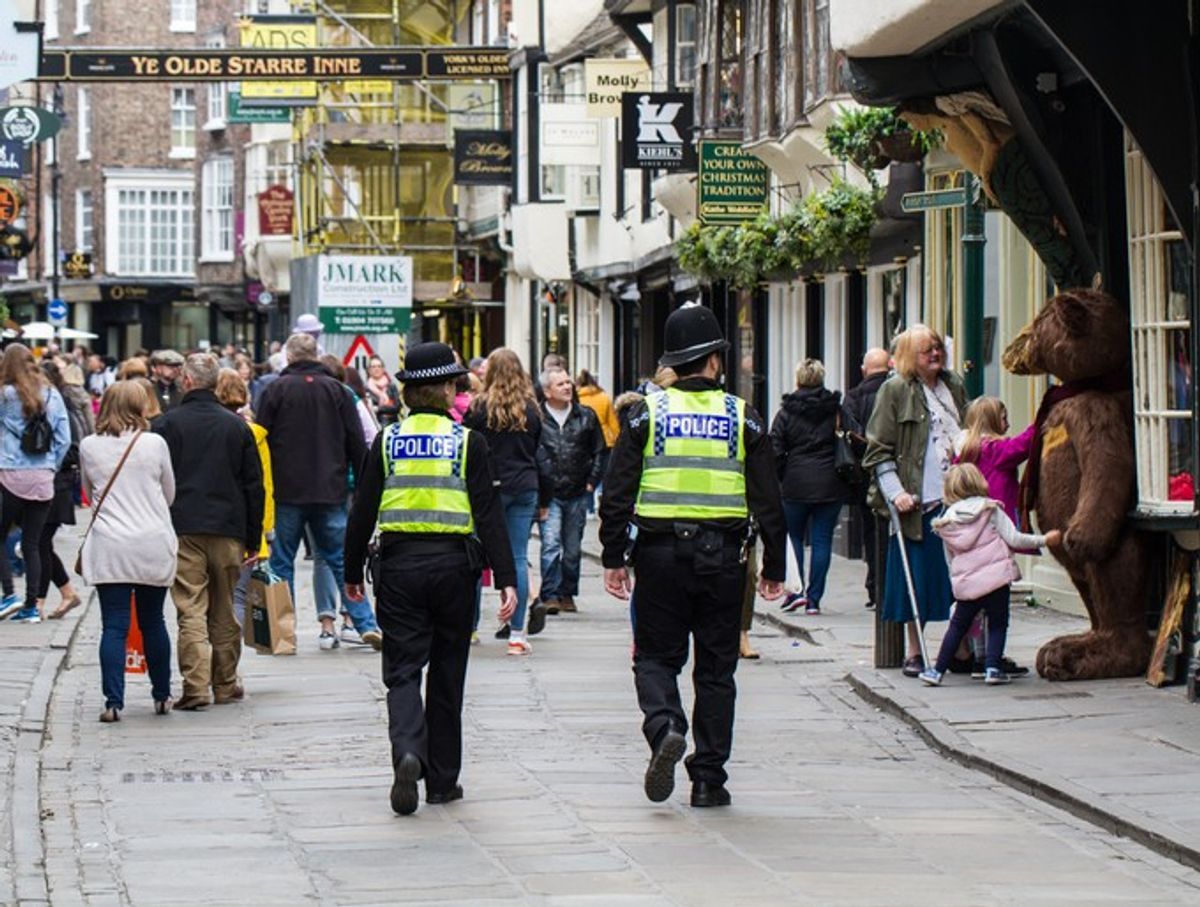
690	469
428	485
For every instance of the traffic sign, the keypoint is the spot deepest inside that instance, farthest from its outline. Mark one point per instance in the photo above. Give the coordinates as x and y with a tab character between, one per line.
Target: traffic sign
914	202
56	312
359	354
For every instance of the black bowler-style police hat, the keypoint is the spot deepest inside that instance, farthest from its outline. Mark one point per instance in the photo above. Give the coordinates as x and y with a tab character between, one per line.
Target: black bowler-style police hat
691	333
429	363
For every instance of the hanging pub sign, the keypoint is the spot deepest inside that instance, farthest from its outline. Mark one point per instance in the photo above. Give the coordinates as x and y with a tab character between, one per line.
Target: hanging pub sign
234	64
10	206
12	159
483	157
733	184
656	131
28	124
275	211
606	80
78	265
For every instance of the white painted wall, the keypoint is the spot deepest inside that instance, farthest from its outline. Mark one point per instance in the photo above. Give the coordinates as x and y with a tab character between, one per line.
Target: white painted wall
869	28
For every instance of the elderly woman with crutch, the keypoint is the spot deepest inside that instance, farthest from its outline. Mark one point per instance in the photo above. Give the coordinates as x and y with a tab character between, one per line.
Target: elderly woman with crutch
910	445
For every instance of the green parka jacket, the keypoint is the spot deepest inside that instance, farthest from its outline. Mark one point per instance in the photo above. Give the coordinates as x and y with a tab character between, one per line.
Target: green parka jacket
898	433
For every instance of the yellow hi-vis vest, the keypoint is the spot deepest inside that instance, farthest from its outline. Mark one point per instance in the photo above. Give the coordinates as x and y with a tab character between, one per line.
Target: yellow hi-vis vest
694	462
425	477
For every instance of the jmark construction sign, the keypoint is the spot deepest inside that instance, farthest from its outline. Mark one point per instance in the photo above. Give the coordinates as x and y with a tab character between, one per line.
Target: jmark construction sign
364	294
237	64
733	184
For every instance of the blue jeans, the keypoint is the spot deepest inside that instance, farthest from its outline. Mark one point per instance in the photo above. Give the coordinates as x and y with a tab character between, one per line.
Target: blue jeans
562	546
114	619
326	524
519	510
819	519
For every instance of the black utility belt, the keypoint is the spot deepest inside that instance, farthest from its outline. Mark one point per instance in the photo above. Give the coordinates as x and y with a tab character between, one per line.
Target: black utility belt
709	550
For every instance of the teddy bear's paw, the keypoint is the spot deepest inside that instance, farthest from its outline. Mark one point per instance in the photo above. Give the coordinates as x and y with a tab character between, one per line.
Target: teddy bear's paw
1091	656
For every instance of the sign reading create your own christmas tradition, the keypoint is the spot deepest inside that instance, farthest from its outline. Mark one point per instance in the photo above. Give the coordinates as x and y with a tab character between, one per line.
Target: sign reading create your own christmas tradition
364	294
733	184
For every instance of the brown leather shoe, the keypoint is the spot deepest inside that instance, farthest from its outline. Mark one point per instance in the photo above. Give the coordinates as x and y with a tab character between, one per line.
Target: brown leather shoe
552	605
567	605
191	703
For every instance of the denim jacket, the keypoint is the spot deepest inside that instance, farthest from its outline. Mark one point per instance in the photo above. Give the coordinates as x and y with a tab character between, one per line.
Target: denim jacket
13	416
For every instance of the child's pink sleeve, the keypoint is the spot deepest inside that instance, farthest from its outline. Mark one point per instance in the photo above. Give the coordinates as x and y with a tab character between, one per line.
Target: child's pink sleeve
1013	451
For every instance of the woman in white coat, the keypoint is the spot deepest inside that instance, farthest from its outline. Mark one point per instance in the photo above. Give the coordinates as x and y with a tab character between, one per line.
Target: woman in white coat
130	548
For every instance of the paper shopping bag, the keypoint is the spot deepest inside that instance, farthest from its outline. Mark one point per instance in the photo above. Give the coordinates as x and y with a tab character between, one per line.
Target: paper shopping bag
270	625
135	649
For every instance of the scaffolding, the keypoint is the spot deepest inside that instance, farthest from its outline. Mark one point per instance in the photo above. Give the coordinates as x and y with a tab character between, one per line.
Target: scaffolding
374	158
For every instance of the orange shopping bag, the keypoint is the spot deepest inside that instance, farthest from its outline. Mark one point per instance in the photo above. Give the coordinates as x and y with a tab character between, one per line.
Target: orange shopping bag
135	650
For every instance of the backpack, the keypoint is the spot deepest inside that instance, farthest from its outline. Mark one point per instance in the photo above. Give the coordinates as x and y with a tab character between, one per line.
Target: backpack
38	435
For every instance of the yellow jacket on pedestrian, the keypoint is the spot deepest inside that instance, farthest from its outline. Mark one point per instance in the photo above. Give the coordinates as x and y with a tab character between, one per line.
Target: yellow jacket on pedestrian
599	402
264	456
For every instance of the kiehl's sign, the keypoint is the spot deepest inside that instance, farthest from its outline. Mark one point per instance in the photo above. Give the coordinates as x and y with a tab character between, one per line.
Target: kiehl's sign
482	157
216	64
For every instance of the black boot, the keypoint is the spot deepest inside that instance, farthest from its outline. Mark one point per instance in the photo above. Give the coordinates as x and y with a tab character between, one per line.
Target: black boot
705	793
404	785
660	773
444	796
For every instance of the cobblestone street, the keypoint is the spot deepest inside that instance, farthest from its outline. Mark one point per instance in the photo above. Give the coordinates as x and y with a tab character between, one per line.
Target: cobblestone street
282	799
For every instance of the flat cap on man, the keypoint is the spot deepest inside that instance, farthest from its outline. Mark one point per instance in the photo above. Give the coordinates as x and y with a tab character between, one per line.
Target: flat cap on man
166	357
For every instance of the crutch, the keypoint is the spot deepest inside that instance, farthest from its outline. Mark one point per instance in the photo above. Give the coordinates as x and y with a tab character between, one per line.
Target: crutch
912	592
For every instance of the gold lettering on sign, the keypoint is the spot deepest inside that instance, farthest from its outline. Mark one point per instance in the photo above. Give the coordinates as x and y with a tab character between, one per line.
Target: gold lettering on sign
145	66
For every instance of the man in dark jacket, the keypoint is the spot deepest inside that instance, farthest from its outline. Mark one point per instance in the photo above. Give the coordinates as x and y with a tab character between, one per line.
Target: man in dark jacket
164	368
860	402
218	516
315	439
570	456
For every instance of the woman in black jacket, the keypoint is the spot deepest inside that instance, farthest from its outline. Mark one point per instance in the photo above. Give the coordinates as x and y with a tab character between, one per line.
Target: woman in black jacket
507	416
803	437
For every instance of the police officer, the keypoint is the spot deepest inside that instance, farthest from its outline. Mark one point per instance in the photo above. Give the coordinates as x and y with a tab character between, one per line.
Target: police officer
691	467
428	484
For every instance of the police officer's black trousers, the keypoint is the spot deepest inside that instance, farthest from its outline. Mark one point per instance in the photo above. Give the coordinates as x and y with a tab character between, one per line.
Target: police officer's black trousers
671	601
426	608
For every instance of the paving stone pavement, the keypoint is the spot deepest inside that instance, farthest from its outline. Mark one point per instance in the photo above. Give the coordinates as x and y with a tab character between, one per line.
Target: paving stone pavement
282	799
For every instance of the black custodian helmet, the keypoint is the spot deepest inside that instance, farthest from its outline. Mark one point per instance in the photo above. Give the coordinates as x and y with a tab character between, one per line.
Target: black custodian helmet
691	332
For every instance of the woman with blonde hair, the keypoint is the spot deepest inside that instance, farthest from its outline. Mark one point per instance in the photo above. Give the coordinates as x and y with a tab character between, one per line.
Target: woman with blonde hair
507	416
37	436
130	548
910	447
133	368
153	401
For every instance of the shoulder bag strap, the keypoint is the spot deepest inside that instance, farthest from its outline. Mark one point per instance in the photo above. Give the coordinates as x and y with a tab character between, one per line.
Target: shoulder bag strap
104	494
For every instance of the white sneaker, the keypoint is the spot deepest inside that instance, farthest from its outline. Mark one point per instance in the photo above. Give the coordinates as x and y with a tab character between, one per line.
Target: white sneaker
519	646
327	641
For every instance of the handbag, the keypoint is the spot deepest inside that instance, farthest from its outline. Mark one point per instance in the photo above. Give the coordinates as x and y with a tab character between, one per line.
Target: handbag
100	502
846	463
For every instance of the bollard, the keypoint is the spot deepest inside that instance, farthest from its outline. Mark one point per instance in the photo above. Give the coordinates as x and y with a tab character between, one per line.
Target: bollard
889	636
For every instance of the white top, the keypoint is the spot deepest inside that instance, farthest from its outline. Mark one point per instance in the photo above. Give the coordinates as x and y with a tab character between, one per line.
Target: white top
132	540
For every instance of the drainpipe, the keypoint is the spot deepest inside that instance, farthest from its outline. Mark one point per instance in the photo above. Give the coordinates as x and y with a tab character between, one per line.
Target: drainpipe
972	328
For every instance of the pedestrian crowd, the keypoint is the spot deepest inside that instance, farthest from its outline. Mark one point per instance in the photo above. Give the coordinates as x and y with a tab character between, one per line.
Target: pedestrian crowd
206	471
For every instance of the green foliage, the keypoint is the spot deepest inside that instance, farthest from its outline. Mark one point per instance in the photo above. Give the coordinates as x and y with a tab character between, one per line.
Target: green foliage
856	134
815	235
4	313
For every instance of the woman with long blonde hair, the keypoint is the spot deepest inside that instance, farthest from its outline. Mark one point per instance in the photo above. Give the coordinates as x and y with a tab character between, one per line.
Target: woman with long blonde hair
37	435
506	414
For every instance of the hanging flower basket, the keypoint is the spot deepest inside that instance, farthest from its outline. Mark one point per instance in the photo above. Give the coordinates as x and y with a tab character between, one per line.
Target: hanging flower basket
903	147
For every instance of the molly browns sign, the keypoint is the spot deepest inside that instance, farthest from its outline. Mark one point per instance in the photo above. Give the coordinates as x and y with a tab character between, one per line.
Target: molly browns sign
482	157
273	65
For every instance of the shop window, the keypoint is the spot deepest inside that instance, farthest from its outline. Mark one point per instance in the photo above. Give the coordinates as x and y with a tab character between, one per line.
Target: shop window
942	258
85	237
183	15
819	72
587	332
50	20
216	241
183	122
1163	404
732	38
83	122
685	45
149	227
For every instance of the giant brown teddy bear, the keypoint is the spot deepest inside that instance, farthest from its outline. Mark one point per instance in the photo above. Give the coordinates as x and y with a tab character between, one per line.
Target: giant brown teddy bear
1080	479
